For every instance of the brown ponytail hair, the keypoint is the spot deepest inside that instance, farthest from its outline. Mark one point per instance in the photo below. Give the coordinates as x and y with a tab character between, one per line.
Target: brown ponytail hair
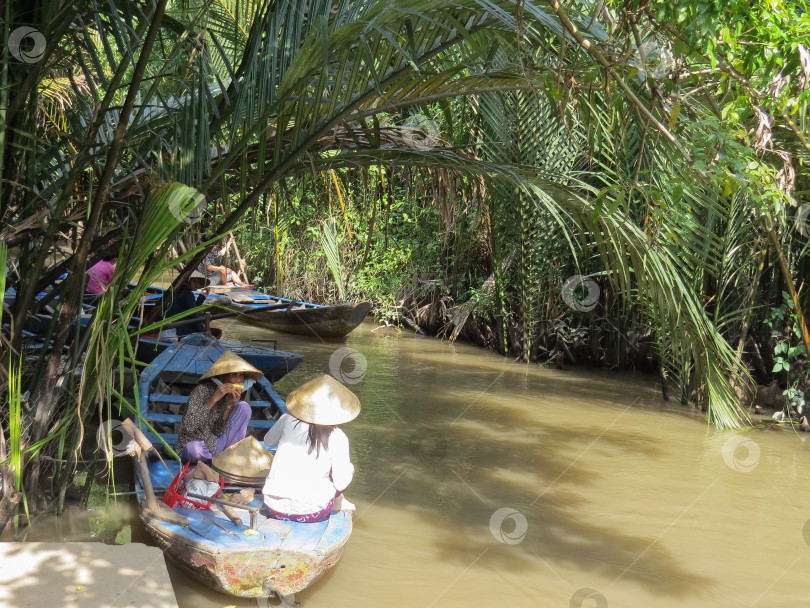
318	437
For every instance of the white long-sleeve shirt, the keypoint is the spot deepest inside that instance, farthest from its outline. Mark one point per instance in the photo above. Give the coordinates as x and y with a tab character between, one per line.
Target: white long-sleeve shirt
299	483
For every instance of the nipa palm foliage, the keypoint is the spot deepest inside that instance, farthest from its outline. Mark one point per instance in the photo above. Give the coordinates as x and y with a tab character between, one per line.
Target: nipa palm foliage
232	97
365	61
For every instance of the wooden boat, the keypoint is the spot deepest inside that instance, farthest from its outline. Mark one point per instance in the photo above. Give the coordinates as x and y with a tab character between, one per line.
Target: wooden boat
269	558
291	316
273	363
283	314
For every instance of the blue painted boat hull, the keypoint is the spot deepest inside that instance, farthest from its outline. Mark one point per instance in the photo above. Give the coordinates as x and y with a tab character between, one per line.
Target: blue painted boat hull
283	558
273	363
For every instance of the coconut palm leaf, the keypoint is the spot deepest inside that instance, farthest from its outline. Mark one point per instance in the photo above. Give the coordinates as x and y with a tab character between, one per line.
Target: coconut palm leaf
329	242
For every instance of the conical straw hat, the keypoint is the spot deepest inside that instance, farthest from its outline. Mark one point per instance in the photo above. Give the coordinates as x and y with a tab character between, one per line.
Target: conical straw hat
245	458
229	363
198	275
323	401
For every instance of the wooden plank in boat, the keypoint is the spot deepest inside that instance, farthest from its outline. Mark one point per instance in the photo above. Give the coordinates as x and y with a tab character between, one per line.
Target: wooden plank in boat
226	523
261	424
161	478
170	438
278	527
200	532
168	418
166	398
305	537
272	532
338	524
253	299
183	399
203	527
204	530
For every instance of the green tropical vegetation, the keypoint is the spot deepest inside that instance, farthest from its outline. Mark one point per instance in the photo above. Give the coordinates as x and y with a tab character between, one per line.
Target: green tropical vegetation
619	185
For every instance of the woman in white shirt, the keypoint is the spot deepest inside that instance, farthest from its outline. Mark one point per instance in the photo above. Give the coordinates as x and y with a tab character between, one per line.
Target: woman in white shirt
311	467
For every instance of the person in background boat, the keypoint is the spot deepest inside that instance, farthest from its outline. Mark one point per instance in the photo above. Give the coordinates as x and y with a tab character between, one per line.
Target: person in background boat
100	275
215	417
228	276
184	299
311	468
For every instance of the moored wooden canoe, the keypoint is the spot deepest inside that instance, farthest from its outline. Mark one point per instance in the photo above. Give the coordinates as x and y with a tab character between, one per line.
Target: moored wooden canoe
298	318
327	322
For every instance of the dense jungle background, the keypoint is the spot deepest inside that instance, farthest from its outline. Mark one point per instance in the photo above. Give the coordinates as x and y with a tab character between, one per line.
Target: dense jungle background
619	184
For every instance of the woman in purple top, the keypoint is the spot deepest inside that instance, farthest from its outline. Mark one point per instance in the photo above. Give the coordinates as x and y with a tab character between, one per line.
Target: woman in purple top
216	416
99	275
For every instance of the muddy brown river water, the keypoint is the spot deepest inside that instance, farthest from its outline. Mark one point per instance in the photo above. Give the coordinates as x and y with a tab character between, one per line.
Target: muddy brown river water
482	482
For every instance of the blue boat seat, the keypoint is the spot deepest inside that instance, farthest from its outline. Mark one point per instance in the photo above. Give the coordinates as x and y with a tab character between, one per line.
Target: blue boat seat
166	398
261	424
171	438
183	399
170	418
165	385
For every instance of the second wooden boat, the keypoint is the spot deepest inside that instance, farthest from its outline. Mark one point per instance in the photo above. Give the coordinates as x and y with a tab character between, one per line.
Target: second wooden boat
273	363
291	316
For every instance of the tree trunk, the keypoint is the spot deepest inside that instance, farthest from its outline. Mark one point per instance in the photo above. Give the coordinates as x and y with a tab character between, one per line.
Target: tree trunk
50	388
791	287
242	266
10	497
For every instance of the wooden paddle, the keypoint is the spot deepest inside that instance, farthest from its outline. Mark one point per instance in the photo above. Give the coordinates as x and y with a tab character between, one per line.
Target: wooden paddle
227	507
153	507
146	479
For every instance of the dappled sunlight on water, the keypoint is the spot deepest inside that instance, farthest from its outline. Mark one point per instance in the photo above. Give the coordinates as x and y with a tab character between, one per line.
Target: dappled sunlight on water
481	481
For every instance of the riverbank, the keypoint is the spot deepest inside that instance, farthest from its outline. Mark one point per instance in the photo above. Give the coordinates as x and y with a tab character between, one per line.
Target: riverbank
83	575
